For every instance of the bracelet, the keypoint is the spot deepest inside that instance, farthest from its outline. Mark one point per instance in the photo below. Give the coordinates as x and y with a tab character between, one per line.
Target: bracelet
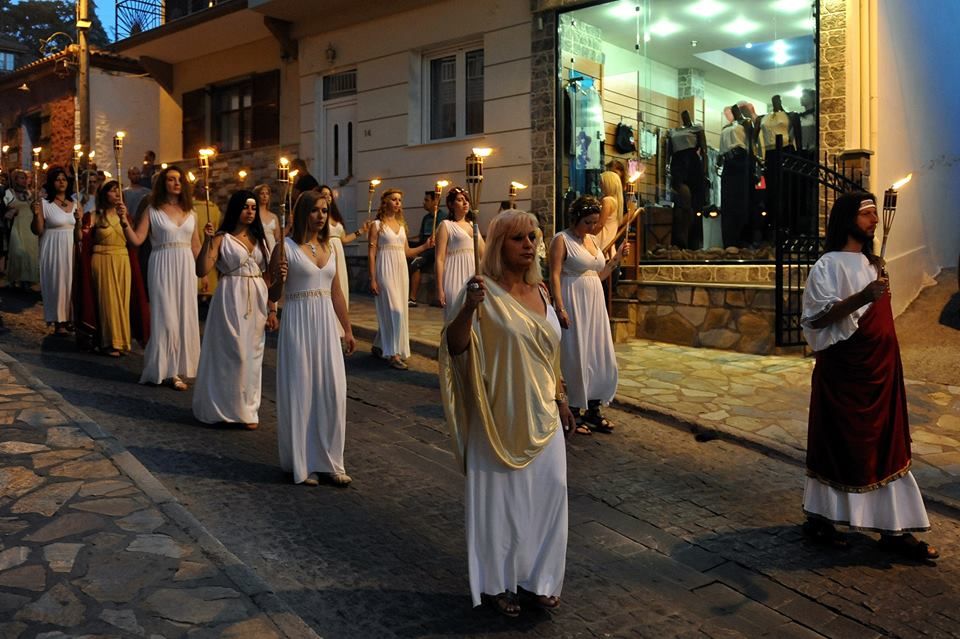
561	398
272	310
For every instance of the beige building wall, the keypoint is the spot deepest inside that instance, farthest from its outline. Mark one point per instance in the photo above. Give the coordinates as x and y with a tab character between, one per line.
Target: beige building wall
387	56
121	102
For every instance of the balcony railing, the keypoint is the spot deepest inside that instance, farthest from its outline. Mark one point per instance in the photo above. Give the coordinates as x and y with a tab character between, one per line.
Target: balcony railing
137	16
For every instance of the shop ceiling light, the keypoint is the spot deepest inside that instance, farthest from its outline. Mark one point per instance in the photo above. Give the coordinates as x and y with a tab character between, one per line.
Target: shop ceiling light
663	28
780	58
706	8
795	93
779	46
624	9
791	6
741	26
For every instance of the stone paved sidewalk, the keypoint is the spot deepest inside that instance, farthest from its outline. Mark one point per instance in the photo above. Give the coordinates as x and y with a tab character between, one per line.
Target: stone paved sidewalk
93	545
760	400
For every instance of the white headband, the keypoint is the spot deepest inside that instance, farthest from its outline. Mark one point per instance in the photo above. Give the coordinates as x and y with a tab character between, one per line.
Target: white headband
867	203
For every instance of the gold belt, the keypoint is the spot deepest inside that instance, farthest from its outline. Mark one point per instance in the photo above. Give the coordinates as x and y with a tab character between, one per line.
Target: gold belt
584	274
171	245
302	295
391	247
463	250
109	249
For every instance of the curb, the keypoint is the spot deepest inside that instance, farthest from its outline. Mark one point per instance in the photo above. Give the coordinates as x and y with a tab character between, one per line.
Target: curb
244	578
700	428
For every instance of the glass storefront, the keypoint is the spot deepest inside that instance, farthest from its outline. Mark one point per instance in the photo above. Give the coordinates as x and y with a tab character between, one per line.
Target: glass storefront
690	105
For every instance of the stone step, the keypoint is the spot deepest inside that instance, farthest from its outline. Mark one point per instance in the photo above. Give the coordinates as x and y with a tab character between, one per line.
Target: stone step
622	329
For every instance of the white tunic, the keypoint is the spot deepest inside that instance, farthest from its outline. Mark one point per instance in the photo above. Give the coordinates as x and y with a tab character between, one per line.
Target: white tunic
56	262
587	357
458	266
269	229
393	329
231	358
516	519
336	244
174	346
311	378
898	505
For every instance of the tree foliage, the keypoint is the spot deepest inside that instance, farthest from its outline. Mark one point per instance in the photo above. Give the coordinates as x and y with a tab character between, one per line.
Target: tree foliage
29	22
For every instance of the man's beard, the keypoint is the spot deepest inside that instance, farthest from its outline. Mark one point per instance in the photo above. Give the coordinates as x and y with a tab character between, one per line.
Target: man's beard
859	234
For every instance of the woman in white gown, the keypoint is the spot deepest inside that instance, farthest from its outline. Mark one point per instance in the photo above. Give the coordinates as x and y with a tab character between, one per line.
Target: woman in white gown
311	378
174	347
56	225
587	357
268	219
234	334
504	403
455	260
338	238
390	280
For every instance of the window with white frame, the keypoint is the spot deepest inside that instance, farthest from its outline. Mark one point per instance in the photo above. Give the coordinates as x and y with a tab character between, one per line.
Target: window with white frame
453	93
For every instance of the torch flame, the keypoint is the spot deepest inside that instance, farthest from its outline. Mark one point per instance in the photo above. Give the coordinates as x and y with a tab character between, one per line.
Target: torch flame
242	174
633	178
442	184
37	149
375	182
92	153
518	185
76	147
121	135
5	148
482	151
191	177
902	182
294	173
284	162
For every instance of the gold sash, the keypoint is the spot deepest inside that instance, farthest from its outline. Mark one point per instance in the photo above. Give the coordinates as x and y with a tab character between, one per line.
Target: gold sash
505	382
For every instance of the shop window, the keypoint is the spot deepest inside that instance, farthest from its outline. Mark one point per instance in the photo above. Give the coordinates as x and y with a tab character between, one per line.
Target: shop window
194	122
453	93
689	97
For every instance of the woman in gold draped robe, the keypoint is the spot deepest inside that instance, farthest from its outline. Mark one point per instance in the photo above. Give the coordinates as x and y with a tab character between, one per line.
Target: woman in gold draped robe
504	403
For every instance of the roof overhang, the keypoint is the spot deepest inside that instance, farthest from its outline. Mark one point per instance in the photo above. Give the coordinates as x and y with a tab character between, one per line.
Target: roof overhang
227	24
336	14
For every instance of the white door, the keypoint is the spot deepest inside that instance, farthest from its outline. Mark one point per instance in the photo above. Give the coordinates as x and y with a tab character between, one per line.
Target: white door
339	155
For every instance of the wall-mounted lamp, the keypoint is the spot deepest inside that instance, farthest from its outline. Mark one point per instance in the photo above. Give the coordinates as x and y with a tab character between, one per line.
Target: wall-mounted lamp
331	53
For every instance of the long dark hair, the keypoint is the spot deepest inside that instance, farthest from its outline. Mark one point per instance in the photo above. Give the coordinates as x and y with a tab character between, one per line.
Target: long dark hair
238	201
301	211
452	197
103	203
52	176
582	207
334	209
842	222
158	196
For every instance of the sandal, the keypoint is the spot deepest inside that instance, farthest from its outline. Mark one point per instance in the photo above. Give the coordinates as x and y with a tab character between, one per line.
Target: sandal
505	603
251	426
313	479
823	533
908	546
544	602
113	353
397	363
597	421
178	384
339	479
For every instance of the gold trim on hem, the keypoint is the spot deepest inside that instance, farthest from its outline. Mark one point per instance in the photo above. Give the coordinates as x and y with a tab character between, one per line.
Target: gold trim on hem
302	295
861	489
171	245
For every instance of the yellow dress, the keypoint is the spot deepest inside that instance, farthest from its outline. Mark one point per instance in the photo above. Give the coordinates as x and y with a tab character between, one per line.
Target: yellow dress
200	209
110	265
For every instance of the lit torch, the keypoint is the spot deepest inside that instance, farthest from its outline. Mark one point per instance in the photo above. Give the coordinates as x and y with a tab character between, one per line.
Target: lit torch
890	209
36	172
515	187
374	183
118	158
437	191
204	160
474	185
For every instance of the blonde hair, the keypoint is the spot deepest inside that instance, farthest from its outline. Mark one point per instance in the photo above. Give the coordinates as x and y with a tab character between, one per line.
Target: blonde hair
507	223
611	186
383	204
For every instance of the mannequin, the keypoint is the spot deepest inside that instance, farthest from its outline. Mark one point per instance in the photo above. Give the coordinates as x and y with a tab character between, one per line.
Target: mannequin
687	150
808	121
807	205
736	180
778	125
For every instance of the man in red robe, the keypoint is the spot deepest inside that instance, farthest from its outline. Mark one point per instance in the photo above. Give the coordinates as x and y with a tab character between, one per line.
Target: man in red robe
858	437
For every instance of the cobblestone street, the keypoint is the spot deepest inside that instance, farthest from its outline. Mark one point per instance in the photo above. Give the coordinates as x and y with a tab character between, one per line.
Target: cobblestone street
669	537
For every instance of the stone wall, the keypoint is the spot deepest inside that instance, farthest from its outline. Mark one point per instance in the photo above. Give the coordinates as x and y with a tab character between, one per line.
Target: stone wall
739	318
580	39
832	65
60	131
260	165
543	75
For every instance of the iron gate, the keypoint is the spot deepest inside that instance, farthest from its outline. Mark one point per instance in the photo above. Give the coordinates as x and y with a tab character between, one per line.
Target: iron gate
807	189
